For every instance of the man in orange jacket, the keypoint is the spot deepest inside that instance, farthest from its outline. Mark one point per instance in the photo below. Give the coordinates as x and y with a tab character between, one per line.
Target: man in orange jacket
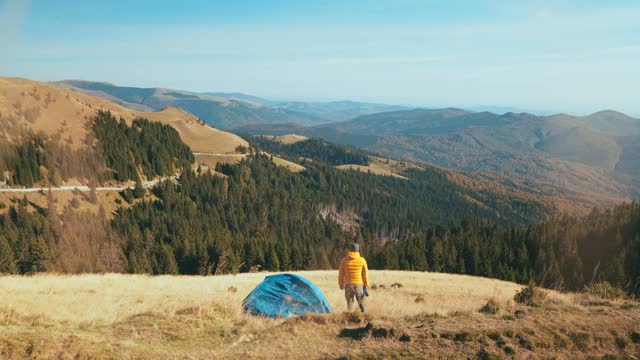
353	277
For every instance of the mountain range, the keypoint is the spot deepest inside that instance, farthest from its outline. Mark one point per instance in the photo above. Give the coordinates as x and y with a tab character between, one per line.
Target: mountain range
591	159
227	110
587	160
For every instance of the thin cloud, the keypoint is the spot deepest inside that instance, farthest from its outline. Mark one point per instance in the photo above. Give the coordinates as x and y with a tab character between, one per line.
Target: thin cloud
373	60
13	15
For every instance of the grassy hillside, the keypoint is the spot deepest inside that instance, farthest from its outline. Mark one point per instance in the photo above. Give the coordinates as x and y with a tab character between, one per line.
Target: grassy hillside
65	114
430	315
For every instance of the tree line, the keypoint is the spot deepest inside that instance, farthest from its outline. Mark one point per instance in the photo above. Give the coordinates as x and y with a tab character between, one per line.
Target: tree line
313	148
152	147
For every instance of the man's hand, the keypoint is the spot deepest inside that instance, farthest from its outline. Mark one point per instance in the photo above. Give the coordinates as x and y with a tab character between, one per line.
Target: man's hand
366	292
341	287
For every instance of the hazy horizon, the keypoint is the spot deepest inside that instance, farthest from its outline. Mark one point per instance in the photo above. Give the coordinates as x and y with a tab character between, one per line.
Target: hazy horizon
543	57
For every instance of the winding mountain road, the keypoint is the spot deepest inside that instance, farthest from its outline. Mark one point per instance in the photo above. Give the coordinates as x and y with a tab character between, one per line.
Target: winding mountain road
106	188
86	188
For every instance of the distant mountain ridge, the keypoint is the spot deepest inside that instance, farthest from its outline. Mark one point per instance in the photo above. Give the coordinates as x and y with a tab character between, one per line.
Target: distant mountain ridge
228	110
592	159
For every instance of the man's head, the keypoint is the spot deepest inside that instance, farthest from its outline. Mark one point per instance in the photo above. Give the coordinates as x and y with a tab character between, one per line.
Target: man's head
355	247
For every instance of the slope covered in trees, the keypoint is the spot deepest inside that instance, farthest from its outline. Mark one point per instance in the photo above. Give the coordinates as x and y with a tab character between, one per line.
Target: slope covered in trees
315	148
261	216
121	152
151	146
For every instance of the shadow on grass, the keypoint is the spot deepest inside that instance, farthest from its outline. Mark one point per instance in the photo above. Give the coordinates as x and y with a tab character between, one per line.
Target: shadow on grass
366	331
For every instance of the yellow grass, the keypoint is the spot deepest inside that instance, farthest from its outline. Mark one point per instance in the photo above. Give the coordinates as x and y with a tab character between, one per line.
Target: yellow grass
211	160
114	297
135	316
286	139
291	166
369	169
390	165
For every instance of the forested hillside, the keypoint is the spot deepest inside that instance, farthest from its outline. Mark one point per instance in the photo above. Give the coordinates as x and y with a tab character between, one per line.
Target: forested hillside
315	149
588	161
151	146
264	217
120	152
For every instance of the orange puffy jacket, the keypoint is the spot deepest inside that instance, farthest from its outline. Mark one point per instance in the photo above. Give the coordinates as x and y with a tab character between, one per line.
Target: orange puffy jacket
353	270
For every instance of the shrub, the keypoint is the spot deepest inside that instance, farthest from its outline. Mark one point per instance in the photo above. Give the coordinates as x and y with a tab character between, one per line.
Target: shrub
621	342
530	295
463	336
605	290
485	355
491	307
509	350
581	339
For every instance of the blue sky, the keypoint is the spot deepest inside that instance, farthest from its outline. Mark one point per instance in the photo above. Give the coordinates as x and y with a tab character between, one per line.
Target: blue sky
569	56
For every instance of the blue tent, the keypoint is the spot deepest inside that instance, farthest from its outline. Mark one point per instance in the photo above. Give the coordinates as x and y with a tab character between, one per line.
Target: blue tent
285	295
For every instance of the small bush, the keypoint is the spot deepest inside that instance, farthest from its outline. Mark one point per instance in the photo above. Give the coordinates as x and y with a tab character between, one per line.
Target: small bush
232	289
463	336
485	355
396	285
531	295
419	299
509	350
621	343
635	336
581	339
605	290
491	307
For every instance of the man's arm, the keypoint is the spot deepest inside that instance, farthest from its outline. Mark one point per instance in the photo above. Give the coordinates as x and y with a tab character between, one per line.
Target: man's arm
341	274
365	273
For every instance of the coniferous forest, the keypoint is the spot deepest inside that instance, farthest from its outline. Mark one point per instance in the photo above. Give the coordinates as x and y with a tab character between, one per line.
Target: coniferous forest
263	217
314	148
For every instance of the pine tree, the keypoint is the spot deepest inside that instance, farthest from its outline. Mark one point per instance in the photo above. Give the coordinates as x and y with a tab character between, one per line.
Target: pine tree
7	264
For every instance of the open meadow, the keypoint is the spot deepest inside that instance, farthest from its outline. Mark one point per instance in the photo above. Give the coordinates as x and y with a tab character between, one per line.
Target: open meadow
424	315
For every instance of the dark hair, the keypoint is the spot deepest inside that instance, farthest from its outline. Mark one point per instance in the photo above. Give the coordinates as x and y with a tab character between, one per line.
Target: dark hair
355	247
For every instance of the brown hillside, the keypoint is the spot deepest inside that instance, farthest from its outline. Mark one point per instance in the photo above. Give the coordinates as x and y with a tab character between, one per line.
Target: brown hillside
61	112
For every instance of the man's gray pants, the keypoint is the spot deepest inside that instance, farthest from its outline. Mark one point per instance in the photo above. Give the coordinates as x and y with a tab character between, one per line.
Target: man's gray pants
357	292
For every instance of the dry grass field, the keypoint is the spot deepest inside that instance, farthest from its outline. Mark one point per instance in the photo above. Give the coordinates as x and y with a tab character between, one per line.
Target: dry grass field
291	166
286	139
428	315
383	166
211	160
369	169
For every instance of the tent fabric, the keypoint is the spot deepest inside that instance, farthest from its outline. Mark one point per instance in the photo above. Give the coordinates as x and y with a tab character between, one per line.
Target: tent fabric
285	295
